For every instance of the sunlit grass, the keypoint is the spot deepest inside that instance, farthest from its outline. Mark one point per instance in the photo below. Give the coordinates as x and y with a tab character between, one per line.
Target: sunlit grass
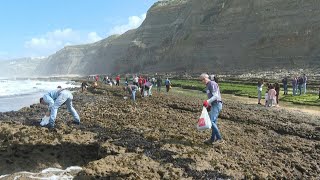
246	90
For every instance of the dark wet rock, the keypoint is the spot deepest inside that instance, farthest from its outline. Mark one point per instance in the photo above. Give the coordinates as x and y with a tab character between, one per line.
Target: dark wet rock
157	139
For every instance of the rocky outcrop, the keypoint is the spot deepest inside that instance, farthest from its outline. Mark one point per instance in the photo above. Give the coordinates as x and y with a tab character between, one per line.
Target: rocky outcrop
205	35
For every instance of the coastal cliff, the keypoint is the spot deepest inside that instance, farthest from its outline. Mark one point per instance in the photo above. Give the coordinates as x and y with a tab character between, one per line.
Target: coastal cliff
204	35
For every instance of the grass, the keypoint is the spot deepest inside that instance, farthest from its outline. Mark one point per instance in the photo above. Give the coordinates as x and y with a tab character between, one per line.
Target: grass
249	90
306	99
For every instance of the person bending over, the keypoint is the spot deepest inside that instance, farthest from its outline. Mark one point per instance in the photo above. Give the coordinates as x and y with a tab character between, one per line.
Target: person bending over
55	99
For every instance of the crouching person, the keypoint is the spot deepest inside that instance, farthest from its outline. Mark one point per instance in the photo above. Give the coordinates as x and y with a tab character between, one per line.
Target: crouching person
55	99
132	89
147	88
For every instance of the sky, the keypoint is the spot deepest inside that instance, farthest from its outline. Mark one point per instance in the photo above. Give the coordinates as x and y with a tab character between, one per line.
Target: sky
38	28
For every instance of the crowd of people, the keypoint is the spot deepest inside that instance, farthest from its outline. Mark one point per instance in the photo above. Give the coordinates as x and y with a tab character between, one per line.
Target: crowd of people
273	90
56	98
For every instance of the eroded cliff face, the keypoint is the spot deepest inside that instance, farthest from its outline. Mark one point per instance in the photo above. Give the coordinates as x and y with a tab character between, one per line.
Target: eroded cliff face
205	35
22	67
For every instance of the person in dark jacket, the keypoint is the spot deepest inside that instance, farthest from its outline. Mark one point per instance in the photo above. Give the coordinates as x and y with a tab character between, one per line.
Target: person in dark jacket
285	86
159	84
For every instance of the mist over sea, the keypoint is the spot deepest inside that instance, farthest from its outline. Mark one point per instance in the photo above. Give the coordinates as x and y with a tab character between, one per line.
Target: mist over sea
16	94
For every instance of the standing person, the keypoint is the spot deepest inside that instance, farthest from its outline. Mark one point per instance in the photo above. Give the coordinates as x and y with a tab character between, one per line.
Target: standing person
153	80
300	84
55	99
285	86
277	88
136	80
266	98
319	92
259	87
140	82
118	80
272	96
294	85
159	84
214	100
127	82
104	80
304	78
142	87
132	89
97	77
168	84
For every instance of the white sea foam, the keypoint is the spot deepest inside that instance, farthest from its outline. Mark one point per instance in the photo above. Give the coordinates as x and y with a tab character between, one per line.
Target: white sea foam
23	87
15	94
46	174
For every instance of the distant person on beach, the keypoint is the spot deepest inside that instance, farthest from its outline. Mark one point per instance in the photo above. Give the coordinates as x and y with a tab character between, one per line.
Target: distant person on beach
214	101
126	81
294	86
272	96
84	86
168	84
285	86
304	79
159	84
277	89
259	88
140	82
266	99
147	89
135	81
153	81
132	89
104	80
55	99
300	85
118	80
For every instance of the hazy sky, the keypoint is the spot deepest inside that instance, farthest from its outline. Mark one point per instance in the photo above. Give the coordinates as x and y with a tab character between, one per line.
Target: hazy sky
33	28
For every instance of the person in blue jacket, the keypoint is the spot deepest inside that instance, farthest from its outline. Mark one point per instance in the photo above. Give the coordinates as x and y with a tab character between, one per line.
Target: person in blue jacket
56	98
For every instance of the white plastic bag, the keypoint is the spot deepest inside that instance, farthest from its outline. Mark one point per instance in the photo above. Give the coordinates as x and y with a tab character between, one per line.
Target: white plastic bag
204	121
44	121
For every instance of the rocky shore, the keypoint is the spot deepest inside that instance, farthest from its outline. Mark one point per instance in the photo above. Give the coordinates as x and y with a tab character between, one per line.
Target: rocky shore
157	139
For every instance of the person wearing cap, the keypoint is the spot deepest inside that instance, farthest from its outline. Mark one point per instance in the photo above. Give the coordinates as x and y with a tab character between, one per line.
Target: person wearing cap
56	98
214	103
